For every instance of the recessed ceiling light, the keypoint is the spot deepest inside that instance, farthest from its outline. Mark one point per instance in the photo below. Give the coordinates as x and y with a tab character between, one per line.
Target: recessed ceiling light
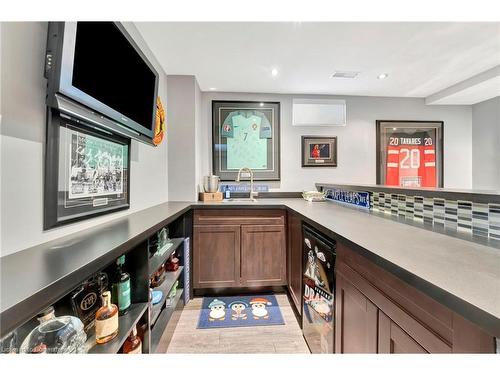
383	76
262	104
274	72
394	128
212	88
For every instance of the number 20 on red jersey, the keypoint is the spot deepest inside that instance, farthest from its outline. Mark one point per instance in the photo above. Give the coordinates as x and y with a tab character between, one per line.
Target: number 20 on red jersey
411	161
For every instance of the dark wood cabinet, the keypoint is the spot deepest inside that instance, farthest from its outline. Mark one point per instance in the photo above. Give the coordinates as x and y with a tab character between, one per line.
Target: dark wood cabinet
356	320
369	322
294	257
263	257
378	313
393	340
216	256
245	248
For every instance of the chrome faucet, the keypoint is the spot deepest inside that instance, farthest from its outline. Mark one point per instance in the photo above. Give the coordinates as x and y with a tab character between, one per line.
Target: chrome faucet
238	179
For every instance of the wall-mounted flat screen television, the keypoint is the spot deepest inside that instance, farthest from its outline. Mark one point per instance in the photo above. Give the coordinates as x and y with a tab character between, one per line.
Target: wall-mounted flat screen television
98	65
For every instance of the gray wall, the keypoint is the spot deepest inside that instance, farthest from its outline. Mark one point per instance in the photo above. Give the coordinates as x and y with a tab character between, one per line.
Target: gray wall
486	145
183	121
198	135
356	141
22	143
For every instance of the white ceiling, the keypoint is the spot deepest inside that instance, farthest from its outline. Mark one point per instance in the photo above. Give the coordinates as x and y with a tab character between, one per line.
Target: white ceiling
420	58
478	88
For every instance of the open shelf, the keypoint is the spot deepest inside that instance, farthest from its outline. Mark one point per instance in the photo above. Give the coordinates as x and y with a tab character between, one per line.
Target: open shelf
159	328
125	325
168	283
54	286
156	260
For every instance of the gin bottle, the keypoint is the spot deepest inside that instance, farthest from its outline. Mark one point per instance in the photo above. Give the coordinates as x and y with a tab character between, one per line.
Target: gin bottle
121	287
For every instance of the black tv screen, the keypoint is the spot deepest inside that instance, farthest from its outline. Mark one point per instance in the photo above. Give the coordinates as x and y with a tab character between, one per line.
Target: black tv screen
97	72
107	67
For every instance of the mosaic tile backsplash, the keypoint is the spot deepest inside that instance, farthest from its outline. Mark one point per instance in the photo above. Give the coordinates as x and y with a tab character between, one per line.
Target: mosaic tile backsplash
476	219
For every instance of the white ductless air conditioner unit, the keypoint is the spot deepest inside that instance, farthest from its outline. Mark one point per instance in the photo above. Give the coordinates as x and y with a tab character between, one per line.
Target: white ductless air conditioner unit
319	112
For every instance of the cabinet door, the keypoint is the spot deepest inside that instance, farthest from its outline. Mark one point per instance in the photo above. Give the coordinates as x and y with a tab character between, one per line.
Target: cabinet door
216	256
263	255
294	256
392	339
401	327
355	320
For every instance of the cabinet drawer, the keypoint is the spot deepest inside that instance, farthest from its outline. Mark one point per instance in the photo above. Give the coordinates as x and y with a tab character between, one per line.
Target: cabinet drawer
239	217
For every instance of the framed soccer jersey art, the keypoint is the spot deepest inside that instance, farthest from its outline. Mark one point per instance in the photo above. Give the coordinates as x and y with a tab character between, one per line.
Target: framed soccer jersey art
410	153
246	134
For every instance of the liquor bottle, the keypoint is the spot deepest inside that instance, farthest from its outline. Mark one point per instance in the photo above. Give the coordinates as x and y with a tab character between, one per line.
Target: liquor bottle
172	293
162	238
62	334
172	263
133	344
121	287
158	277
106	320
85	299
142	329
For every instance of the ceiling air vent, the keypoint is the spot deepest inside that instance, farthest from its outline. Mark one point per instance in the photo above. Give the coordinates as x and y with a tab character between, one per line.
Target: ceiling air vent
344	74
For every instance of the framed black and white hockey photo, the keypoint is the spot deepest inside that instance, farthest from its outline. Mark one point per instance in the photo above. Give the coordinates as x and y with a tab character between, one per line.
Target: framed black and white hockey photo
87	172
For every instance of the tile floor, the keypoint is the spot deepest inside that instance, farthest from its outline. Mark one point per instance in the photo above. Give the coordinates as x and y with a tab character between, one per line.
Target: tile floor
285	338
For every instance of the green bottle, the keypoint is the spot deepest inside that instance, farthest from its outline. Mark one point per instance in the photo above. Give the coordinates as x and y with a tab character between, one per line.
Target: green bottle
120	288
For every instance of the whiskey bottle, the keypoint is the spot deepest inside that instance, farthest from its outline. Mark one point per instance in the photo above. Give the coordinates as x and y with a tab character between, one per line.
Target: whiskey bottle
121	287
133	344
85	299
106	320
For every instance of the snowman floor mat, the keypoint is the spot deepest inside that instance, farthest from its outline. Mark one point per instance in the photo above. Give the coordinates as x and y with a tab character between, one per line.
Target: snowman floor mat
240	311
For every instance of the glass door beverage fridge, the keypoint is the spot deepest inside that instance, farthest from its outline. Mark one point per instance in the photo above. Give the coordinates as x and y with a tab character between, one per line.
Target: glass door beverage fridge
318	290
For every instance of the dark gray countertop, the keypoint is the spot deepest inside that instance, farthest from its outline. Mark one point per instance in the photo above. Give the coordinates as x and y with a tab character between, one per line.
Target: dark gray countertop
478	196
462	275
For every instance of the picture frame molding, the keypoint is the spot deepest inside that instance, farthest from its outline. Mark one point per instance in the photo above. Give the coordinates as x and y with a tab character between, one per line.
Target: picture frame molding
303	138
55	121
378	125
259	175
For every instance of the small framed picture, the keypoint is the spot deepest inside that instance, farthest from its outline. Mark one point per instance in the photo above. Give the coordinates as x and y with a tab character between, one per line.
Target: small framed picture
319	151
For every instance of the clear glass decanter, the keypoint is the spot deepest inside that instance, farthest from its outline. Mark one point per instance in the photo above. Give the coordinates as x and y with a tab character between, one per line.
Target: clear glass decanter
62	334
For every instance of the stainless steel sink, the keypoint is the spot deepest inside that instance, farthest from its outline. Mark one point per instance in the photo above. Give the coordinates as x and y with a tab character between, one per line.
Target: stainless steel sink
236	200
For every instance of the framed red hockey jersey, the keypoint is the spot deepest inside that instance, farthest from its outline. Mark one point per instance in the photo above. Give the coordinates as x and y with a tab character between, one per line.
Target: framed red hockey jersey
410	153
